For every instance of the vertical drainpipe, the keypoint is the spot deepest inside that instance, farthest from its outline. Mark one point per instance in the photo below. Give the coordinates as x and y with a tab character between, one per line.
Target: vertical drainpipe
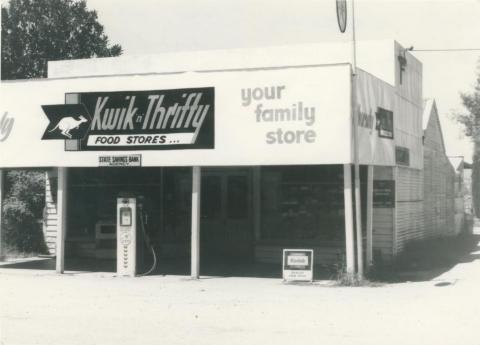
195	240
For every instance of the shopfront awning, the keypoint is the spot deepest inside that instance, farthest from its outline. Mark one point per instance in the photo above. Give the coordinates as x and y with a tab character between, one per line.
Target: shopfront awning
299	115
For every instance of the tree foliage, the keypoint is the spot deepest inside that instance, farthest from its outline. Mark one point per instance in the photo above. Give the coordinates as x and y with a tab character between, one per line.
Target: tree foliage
37	31
34	32
470	120
25	190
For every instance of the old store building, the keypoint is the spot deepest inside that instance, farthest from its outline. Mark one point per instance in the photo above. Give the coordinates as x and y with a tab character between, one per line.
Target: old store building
236	154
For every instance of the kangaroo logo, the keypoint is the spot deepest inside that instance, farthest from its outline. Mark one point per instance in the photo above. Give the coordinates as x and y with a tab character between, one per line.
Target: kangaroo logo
67	124
67	121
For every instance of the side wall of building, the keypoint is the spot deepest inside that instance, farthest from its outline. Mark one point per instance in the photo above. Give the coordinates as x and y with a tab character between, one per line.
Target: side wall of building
408	173
409	211
458	200
50	218
438	185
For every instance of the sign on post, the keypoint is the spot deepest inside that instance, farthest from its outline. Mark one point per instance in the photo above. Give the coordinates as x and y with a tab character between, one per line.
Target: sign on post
298	265
384	194
120	161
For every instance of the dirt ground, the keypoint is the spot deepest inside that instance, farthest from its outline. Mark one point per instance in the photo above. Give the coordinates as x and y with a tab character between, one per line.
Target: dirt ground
40	307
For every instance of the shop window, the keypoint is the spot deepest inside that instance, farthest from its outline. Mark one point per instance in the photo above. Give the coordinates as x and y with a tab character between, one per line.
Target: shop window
301	203
211	197
384	123
237	197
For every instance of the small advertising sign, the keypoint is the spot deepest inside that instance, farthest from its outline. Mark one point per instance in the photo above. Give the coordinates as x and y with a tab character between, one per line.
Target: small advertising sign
383	194
298	264
120	161
384	123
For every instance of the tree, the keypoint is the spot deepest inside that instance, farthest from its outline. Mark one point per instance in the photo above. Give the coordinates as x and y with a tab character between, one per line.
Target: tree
37	31
34	32
470	120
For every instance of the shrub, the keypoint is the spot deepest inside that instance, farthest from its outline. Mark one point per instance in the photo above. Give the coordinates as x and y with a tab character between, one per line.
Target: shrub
23	205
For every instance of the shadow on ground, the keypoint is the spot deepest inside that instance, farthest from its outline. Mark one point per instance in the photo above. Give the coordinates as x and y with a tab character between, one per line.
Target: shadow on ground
421	261
428	259
210	267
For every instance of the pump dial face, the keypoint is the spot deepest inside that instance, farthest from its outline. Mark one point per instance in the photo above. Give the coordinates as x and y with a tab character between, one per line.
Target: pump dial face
342	15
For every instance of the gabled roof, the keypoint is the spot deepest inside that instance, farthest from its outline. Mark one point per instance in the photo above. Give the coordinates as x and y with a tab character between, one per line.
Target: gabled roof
427	111
430	113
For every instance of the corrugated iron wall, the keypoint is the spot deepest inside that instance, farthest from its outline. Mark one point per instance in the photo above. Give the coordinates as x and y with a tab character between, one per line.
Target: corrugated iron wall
409	211
383	220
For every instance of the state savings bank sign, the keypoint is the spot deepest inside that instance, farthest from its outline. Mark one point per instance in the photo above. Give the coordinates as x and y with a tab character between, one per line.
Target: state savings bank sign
136	120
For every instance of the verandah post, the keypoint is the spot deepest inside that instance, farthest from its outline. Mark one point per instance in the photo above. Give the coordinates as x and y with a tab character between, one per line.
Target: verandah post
195	240
348	206
62	218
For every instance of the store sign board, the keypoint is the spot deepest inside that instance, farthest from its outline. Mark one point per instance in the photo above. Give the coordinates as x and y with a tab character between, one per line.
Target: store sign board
384	194
298	264
261	117
133	120
120	161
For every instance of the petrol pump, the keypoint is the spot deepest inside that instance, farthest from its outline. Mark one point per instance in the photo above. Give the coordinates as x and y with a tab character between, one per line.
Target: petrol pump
131	221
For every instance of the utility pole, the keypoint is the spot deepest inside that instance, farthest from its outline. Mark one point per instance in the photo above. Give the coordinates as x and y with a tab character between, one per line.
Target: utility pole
356	152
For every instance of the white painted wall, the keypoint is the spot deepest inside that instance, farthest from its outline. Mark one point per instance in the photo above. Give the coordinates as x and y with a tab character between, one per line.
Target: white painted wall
376	57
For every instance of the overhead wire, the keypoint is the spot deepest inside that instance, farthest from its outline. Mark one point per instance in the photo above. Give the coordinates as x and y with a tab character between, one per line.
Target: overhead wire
445	50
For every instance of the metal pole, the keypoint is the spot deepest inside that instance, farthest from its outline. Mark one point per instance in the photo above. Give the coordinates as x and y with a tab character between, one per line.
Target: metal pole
349	232
370	217
358	215
195	241
62	218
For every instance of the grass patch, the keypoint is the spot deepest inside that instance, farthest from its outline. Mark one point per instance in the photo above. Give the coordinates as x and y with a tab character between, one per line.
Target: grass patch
342	278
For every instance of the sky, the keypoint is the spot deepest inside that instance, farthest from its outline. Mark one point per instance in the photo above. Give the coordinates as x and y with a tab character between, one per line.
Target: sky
149	27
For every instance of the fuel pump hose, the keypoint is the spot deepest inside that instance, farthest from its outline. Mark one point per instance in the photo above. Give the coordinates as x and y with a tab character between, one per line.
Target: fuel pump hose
148	243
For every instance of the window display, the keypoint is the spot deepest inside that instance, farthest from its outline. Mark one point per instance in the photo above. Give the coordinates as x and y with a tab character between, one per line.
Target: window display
302	203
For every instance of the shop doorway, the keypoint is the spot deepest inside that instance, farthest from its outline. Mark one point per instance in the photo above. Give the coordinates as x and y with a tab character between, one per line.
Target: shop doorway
226	215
